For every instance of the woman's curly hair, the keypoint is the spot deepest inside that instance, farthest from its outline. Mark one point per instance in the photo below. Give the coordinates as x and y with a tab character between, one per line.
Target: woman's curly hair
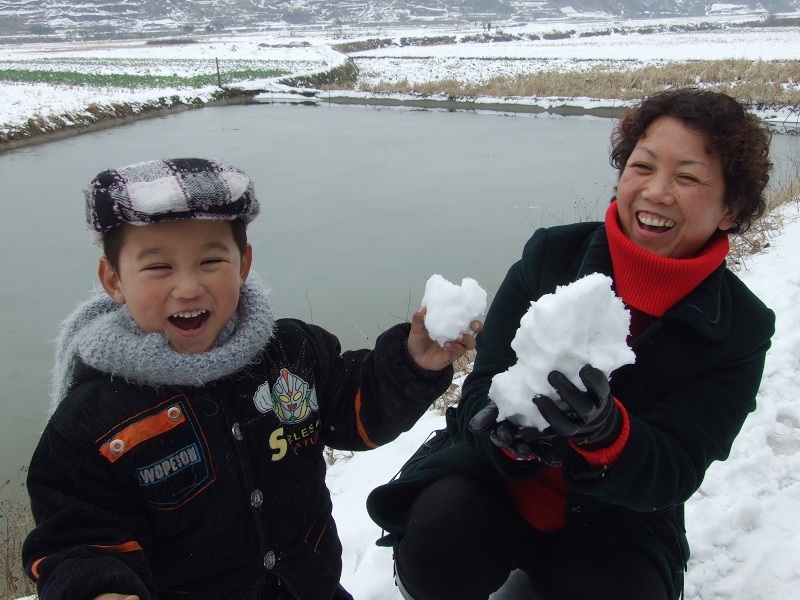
739	138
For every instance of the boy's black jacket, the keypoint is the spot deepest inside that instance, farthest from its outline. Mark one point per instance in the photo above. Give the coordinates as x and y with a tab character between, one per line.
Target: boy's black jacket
217	491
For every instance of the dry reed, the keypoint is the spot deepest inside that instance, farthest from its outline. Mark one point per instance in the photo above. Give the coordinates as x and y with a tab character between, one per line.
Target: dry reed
15	523
760	82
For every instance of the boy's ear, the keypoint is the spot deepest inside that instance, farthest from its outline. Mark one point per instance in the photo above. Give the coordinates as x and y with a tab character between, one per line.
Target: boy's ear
247	261
110	281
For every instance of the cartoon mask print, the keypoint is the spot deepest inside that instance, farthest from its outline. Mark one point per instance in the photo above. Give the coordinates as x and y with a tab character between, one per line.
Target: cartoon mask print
291	398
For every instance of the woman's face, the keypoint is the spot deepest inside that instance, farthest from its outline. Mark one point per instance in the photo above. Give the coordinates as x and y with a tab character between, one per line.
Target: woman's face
670	194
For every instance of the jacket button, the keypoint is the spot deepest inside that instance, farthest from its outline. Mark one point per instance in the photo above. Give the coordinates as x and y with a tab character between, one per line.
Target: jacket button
237	432
256	498
174	413
117	446
269	560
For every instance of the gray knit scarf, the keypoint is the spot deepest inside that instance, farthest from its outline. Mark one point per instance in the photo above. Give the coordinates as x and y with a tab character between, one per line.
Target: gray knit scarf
103	335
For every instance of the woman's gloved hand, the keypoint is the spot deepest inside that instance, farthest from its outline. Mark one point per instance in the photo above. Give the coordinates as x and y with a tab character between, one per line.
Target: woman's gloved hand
520	443
592	419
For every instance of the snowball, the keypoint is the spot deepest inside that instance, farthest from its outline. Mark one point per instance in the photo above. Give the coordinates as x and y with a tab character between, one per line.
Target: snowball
451	308
580	323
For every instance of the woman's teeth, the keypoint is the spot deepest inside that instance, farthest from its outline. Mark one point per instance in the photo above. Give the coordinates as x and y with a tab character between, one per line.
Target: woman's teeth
659	222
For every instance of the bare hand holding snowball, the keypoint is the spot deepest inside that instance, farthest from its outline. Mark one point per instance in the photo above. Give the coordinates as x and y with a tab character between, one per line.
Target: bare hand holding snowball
444	329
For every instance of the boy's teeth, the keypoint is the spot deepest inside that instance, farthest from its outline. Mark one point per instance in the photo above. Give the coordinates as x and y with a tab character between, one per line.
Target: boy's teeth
190	314
655	222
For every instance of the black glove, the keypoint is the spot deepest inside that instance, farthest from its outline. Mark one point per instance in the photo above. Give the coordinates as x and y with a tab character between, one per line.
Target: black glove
593	419
522	443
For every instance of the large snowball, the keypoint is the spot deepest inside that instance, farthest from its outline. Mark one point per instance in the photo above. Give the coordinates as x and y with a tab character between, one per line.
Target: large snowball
580	323
451	308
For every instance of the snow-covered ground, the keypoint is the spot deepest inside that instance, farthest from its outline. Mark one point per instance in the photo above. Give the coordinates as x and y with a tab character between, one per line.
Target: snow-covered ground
22	101
478	62
744	523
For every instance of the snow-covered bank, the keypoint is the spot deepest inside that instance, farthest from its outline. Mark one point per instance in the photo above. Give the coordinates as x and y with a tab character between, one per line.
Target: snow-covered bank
52	107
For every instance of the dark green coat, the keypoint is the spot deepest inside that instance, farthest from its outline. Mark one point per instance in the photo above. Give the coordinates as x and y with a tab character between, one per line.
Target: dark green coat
695	379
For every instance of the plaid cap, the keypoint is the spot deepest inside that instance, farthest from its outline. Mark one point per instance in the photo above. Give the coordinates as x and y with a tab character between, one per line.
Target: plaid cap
169	190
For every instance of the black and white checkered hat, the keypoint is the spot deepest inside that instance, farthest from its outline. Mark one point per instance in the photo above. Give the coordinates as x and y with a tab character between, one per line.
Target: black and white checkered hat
169	190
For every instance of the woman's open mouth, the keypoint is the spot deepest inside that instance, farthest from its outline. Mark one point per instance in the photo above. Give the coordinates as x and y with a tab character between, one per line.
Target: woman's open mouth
189	320
654	223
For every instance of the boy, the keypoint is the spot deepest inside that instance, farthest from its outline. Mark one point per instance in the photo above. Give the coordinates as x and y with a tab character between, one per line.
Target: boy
184	457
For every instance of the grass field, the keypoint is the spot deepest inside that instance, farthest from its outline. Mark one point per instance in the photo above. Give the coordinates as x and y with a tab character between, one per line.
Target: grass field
139	73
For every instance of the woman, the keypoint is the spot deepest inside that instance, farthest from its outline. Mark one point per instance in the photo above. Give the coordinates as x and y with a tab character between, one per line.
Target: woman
592	507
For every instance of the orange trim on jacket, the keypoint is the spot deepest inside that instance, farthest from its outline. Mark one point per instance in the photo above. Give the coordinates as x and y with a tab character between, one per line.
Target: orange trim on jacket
141	431
362	431
132	546
35	568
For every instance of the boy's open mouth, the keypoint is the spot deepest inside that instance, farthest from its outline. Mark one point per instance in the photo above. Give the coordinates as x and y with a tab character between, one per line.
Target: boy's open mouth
187	321
654	224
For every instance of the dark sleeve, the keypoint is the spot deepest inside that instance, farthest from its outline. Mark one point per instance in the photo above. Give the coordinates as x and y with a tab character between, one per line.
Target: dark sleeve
89	535
675	437
369	397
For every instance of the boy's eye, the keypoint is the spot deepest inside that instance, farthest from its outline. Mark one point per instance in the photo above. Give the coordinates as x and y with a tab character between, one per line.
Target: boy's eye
212	261
156	267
